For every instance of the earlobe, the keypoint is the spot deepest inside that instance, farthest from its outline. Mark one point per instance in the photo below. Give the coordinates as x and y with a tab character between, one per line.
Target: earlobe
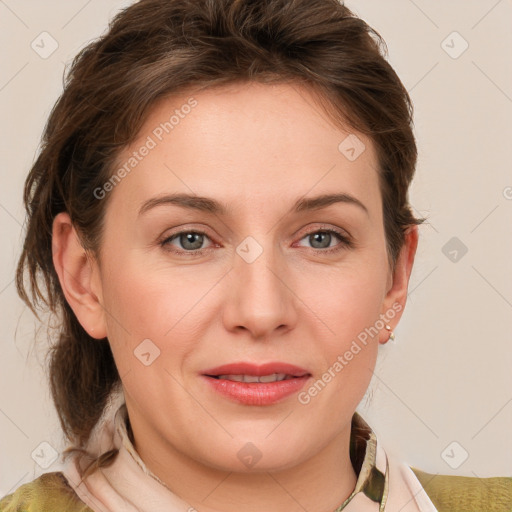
75	271
396	296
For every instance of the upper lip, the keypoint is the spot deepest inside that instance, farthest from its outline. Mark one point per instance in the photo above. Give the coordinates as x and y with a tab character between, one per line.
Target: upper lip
244	368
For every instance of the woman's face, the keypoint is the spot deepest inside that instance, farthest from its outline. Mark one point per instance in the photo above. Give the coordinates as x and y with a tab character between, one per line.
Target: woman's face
262	276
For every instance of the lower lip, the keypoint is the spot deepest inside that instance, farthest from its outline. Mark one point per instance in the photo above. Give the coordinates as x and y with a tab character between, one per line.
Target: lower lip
257	393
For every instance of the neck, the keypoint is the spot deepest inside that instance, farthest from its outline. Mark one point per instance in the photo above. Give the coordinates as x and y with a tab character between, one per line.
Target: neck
317	484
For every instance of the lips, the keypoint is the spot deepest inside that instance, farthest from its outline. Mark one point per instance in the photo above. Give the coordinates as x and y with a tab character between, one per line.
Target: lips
245	368
245	383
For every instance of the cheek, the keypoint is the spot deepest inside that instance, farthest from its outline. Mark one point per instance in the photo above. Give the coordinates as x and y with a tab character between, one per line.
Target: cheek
350	354
350	297
358	305
162	305
349	304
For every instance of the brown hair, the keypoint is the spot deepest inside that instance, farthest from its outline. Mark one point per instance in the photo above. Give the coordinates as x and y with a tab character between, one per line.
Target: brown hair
155	48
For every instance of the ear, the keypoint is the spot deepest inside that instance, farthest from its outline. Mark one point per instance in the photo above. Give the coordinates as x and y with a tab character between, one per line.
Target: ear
79	277
396	296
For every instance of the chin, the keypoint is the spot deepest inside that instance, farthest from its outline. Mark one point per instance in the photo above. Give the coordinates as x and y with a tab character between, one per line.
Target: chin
246	456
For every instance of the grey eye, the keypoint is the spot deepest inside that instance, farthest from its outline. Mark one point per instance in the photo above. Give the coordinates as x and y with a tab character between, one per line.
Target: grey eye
187	241
191	240
320	239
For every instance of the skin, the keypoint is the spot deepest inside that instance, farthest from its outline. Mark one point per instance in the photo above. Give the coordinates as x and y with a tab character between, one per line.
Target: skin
257	149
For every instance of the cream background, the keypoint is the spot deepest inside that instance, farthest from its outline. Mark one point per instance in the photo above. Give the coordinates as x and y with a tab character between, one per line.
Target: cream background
447	377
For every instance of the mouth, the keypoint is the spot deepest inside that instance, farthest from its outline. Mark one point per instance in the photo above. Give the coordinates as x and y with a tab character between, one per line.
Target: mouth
253	384
251	372
273	377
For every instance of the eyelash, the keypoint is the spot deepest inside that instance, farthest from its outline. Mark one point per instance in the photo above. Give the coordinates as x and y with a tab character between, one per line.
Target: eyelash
345	242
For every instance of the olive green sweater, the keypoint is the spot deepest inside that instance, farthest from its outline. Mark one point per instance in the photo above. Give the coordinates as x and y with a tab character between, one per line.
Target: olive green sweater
51	493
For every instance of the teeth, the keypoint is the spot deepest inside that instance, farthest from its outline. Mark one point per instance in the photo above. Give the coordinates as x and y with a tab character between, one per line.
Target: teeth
253	378
272	378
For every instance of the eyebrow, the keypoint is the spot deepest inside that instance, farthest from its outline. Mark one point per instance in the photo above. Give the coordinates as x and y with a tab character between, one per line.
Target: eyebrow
210	205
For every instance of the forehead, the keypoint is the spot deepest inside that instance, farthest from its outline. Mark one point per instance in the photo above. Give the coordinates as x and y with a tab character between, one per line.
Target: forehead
249	145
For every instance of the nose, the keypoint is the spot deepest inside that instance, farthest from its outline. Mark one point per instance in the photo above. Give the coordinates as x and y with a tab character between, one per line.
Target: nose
260	299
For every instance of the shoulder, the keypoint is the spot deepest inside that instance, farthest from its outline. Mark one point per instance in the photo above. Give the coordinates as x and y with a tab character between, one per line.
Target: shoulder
50	491
463	493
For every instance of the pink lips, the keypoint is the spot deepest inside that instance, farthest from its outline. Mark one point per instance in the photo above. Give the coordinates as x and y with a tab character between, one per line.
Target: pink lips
256	393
